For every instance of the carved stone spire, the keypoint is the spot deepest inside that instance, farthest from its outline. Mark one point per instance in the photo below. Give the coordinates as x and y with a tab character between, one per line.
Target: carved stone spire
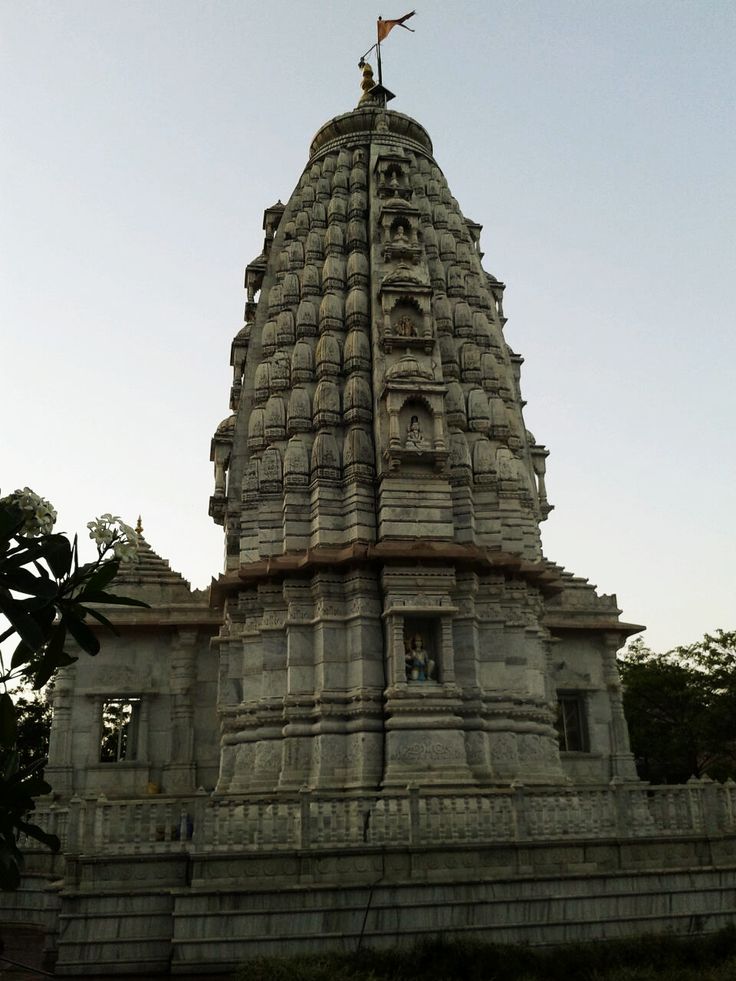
379	488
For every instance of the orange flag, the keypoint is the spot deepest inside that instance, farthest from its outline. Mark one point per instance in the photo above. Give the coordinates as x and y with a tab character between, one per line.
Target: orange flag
386	26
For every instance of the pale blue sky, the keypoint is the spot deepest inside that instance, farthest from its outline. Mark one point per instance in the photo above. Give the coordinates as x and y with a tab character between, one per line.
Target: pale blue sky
596	143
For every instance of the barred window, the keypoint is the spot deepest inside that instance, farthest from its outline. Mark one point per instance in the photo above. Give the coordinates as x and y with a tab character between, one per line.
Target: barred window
571	722
119	730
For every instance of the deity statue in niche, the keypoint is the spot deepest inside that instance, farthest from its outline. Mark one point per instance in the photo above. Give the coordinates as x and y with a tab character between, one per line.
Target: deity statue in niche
405	327
419	665
400	235
415	439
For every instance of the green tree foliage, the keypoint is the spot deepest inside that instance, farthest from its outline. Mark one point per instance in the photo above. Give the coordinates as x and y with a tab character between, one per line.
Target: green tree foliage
46	598
33	724
681	708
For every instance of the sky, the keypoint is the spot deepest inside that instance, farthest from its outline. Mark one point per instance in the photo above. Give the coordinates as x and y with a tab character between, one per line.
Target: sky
594	141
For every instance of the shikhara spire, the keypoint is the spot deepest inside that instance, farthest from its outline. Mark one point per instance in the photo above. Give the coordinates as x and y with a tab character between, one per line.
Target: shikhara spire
380	492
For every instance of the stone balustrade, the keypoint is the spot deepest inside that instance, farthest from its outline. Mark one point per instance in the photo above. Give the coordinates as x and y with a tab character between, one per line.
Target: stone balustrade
308	820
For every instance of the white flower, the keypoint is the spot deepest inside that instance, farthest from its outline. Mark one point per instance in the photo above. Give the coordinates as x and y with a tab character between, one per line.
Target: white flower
39	515
111	531
125	551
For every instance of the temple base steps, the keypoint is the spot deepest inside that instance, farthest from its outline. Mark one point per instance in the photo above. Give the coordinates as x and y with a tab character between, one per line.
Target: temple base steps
193	913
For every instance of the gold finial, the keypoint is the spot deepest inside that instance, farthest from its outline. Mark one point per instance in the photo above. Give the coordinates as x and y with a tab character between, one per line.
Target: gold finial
139	528
367	84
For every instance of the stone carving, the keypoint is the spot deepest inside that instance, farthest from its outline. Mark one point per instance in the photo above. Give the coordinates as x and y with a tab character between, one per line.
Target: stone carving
274	420
325	457
428	752
442	314
359	455
256	437
419	664
332	312
315	251
278	378
405	327
460	465
326	404
483	461
357	270
296	463
415	439
299	415
269	474
478	411
409	367
356	308
455	406
463	320
333	273
290	291
328	357
357	354
302	362
358	402
269	339
335	240
306	316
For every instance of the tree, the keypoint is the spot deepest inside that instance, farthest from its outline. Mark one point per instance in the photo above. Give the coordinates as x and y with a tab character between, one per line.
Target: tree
33	724
45	597
681	708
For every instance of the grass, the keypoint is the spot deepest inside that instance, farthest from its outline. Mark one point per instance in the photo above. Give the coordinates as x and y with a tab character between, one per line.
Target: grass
667	958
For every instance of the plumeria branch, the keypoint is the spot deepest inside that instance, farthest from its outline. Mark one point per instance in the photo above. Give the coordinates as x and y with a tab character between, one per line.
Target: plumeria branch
46	597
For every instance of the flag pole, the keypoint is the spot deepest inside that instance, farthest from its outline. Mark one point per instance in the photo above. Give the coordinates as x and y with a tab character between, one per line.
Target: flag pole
378	49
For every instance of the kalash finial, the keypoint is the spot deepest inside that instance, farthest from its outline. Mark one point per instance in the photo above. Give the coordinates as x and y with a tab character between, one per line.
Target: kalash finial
139	527
368	83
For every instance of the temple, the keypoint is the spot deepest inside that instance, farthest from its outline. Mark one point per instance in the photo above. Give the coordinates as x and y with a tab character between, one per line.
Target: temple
390	702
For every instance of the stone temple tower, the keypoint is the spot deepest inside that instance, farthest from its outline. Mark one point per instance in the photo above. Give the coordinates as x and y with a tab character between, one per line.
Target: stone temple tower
389	617
393	718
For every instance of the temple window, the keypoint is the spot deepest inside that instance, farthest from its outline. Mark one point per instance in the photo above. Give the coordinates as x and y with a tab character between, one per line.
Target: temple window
119	730
571	723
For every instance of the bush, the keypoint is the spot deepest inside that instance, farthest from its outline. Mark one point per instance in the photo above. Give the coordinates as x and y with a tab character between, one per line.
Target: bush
709	958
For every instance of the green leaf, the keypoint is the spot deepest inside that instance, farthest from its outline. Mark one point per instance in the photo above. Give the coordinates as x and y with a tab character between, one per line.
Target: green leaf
7	721
33	831
110	598
11	521
102	577
43	672
101	618
32	549
23	581
9	765
11	860
59	555
82	634
23	623
21	655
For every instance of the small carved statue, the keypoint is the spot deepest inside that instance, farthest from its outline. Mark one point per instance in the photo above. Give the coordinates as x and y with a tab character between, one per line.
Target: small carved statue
414	436
405	327
400	236
419	665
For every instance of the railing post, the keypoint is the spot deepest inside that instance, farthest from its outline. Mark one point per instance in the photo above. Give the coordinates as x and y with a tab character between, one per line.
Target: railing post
709	802
414	830
521	818
75	829
305	799
620	801
97	820
727	791
200	802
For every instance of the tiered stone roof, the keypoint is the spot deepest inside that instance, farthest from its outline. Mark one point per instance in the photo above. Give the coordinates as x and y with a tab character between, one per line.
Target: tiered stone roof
375	398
